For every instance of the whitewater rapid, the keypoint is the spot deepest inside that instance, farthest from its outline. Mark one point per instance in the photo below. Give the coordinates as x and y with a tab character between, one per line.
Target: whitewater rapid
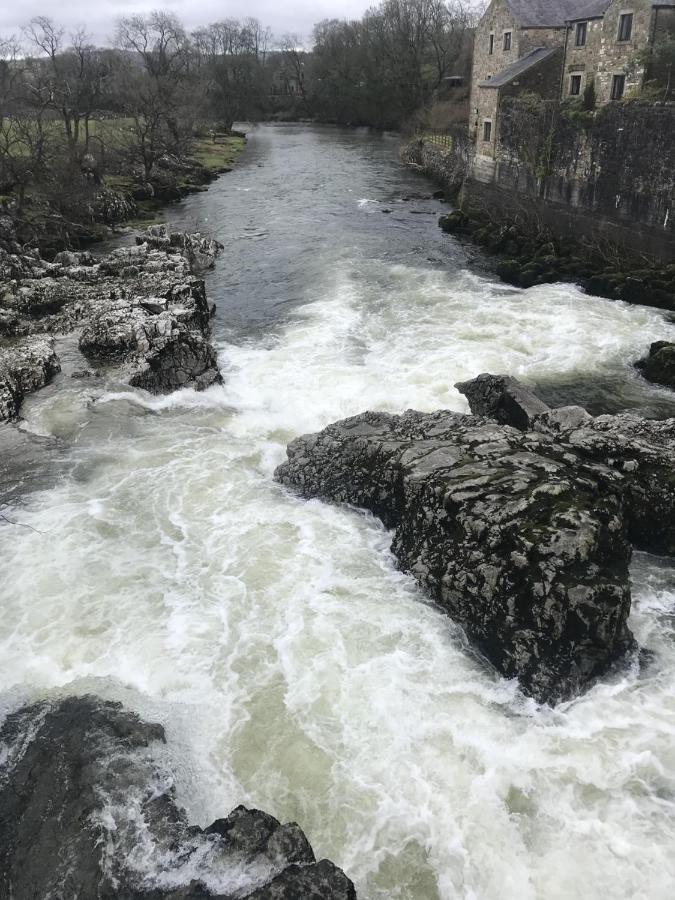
294	668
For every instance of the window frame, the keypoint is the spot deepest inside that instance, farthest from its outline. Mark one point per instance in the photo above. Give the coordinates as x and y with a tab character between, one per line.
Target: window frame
578	31
626	16
491	44
575	79
618	78
509	35
487	130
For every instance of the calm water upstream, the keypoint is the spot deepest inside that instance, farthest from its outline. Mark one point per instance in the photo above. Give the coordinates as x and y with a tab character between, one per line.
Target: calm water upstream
294	667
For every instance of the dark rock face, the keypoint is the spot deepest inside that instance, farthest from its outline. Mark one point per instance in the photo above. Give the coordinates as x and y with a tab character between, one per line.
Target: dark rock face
70	769
522	536
24	367
659	365
502	398
199	251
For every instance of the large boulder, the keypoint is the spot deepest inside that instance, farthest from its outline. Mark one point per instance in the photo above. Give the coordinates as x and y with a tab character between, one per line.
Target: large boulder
201	252
502	398
659	365
163	341
522	536
80	791
24	367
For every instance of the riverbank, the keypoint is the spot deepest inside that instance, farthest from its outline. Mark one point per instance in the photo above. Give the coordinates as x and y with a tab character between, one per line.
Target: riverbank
529	253
121	198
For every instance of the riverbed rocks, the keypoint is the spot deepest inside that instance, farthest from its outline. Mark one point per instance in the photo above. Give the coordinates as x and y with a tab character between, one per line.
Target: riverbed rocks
140	310
24	367
201	252
87	810
529	257
659	364
522	534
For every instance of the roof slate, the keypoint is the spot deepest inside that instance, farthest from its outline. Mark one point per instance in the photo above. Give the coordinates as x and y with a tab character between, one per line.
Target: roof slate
554	13
519	66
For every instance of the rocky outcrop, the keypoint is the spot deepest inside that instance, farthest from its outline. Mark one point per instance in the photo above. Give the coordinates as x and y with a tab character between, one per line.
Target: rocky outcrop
80	791
528	257
521	534
502	398
659	365
200	251
139	309
24	367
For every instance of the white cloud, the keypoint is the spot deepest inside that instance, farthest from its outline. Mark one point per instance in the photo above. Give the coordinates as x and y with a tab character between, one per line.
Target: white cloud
293	16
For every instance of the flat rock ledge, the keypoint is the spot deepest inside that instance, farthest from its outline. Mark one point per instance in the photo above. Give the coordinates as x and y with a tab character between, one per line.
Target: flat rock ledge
87	811
521	529
141	311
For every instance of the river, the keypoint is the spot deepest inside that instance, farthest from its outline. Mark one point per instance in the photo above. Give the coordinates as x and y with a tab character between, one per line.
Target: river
294	668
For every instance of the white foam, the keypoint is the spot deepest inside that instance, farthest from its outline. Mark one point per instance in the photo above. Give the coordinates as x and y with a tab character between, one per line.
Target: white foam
293	666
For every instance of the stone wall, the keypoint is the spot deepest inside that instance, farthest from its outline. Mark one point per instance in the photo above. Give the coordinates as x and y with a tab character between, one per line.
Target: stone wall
447	166
611	178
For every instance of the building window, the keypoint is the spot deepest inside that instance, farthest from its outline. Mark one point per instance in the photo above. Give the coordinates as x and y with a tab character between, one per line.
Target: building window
487	130
580	39
575	85
507	40
625	26
491	47
618	86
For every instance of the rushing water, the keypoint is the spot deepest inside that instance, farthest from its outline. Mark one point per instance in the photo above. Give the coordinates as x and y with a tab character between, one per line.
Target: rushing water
293	666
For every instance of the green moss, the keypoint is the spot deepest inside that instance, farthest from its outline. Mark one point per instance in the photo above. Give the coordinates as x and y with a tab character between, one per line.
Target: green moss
219	154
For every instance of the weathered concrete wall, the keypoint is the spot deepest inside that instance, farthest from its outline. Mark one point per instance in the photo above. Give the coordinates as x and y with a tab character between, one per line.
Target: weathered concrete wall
610	179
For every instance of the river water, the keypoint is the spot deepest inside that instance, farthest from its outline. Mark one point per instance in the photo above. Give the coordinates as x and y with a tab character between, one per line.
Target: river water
294	668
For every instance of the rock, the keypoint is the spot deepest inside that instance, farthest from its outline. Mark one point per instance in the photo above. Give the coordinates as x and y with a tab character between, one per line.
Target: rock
502	398
521	536
138	307
162	341
24	367
180	359
659	365
78	794
200	252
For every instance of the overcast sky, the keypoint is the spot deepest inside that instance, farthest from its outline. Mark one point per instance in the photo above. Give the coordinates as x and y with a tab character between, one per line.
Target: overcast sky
99	16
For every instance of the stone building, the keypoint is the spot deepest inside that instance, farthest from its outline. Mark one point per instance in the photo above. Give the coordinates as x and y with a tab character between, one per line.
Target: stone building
555	48
606	44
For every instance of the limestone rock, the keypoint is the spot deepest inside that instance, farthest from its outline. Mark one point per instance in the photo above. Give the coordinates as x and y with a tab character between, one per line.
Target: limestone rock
523	537
24	367
68	772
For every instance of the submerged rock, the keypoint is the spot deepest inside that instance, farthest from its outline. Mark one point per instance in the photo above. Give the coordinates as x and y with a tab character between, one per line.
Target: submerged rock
86	811
523	536
659	365
24	367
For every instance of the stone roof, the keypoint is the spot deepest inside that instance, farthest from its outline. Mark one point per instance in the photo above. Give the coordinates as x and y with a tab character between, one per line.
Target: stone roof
552	13
519	66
